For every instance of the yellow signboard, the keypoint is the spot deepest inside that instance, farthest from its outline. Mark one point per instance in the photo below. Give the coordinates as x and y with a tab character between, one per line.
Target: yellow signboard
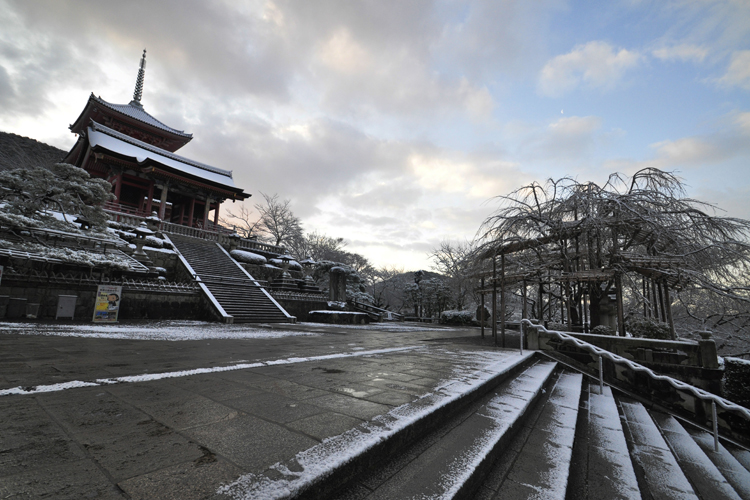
107	304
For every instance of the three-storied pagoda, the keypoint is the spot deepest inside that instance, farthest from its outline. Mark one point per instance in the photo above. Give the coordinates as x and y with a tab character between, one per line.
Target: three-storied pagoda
135	152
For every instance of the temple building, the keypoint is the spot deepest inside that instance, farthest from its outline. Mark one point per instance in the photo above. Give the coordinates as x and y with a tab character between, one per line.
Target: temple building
135	152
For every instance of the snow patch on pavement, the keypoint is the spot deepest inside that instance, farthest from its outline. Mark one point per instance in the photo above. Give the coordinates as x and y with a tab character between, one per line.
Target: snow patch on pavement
173	331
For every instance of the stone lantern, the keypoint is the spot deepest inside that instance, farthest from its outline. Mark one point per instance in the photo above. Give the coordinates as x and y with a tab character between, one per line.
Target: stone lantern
308	265
285	260
153	221
234	241
141	233
285	282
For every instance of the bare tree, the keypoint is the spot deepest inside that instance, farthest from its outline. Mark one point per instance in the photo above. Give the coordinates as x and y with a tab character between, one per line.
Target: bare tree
242	222
581	238
454	260
277	221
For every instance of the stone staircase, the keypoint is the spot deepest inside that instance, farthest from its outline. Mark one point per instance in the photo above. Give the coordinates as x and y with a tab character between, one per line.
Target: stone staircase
538	430
227	283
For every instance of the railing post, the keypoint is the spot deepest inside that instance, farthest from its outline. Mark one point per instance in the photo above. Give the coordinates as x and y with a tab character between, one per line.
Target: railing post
601	376
716	426
522	327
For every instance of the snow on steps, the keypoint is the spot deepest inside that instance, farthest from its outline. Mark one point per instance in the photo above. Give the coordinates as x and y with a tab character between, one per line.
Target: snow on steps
226	283
530	430
456	457
538	462
318	471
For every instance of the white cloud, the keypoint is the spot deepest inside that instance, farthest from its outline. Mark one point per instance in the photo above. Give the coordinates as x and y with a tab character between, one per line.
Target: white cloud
575	126
344	54
596	64
683	52
686	151
743	121
738	73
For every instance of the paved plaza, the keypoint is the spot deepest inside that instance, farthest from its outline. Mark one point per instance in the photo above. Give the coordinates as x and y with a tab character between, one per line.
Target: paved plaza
180	409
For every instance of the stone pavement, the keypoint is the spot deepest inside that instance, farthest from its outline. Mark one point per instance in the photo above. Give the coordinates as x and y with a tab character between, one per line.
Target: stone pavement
185	435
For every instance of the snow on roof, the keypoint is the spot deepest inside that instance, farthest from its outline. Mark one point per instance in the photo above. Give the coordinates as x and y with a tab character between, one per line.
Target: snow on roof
137	112
117	142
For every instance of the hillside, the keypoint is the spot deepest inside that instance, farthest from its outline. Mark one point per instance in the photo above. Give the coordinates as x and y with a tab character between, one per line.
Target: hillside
389	294
18	151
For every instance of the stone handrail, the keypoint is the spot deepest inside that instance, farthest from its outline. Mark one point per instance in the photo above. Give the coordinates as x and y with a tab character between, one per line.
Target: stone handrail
245	244
376	310
677	384
219	234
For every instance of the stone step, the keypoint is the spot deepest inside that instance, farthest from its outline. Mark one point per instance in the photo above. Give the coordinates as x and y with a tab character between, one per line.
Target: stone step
453	459
733	470
246	303
349	459
537	463
601	467
533	430
655	465
707	480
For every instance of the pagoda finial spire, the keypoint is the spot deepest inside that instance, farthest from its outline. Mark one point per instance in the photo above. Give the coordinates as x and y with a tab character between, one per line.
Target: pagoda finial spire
139	81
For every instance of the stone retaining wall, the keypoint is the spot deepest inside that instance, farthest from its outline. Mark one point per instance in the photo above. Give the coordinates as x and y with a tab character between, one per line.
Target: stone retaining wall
135	304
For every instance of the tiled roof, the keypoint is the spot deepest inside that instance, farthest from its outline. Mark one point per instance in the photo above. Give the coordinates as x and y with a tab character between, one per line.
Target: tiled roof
117	142
137	112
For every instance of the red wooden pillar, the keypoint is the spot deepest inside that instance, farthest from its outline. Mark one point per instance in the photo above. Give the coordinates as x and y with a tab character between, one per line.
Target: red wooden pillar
118	187
206	208
191	212
163	201
150	201
216	214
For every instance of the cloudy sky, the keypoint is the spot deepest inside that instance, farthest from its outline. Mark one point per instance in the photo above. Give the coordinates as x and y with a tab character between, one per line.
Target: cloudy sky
394	123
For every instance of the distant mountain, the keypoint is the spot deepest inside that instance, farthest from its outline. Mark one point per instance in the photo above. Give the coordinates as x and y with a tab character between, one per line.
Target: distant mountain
18	151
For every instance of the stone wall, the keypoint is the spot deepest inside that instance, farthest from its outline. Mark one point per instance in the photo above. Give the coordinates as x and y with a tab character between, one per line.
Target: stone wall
135	304
167	260
300	308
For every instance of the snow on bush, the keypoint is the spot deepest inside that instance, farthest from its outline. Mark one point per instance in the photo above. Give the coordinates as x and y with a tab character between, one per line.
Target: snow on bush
125	235
154	242
648	329
248	257
737	380
456	317
80	257
603	330
293	264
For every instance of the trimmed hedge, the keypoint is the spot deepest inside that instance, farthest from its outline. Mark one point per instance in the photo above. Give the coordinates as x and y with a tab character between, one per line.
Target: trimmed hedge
737	381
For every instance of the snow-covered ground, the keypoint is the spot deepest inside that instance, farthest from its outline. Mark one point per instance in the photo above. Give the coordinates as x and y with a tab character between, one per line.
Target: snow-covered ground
158	330
176	330
386	326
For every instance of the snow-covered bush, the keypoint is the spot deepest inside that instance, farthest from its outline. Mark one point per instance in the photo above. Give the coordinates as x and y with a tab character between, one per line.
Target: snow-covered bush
648	329
67	189
457	317
737	380
603	330
293	264
154	242
248	257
